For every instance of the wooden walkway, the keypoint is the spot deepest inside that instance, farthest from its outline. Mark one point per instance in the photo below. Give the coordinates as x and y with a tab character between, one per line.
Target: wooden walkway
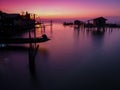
22	40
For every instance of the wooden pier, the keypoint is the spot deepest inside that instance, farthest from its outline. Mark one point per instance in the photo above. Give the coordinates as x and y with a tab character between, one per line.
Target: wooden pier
22	40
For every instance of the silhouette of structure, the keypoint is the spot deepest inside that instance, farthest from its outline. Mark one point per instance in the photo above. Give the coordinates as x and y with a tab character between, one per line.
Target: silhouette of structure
68	23
43	26
12	24
16	20
100	23
21	40
78	24
92	24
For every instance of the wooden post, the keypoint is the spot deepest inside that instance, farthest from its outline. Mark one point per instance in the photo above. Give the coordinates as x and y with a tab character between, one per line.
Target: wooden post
34	28
34	32
51	25
44	28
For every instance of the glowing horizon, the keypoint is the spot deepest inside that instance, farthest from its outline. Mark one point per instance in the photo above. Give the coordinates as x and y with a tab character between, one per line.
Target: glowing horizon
63	8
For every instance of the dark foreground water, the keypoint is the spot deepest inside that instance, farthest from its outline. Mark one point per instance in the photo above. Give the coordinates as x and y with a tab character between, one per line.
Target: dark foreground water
71	60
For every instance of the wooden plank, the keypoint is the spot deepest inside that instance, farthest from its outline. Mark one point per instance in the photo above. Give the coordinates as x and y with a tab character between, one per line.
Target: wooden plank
22	40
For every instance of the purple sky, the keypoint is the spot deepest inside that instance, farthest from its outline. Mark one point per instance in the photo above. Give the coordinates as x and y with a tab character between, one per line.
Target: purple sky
63	8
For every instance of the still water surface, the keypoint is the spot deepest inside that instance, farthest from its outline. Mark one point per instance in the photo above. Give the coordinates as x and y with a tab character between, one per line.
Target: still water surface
71	60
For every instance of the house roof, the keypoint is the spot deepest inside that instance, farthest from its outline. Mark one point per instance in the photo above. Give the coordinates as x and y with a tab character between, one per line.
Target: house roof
78	21
100	18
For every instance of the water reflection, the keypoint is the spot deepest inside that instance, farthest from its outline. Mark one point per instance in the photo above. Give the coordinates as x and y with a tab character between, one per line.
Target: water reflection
6	51
32	53
13	59
97	40
43	52
76	32
98	36
14	63
76	59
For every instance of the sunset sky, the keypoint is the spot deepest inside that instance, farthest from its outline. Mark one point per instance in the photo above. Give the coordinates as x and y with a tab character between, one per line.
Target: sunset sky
63	8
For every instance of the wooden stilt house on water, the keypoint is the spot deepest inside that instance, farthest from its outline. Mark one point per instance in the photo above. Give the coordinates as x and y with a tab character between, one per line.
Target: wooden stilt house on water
99	22
14	24
78	24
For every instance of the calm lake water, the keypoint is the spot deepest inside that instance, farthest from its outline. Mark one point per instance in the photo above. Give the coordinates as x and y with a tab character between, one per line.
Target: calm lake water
71	60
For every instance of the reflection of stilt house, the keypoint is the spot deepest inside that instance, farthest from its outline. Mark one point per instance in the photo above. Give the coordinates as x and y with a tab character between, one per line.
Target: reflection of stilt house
78	24
99	22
